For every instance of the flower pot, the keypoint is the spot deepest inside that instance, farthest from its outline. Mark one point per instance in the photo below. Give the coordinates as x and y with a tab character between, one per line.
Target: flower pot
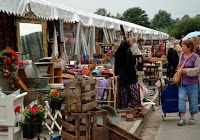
31	130
55	104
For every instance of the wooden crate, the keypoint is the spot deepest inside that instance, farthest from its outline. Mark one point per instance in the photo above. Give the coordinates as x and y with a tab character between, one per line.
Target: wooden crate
80	95
99	132
73	128
117	133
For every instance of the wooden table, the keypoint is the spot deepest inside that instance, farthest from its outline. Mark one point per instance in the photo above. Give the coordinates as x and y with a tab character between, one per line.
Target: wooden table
156	59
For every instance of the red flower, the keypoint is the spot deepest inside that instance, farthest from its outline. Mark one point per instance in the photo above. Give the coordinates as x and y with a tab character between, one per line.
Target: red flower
33	110
17	109
8	51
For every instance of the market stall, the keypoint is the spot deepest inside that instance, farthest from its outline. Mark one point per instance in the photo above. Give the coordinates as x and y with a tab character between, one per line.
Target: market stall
57	45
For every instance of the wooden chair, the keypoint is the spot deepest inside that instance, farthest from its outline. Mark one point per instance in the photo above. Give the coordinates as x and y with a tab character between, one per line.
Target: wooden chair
9	118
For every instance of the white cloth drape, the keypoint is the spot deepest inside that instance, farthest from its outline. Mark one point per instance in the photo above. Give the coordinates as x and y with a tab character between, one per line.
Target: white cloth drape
78	38
55	43
105	36
91	41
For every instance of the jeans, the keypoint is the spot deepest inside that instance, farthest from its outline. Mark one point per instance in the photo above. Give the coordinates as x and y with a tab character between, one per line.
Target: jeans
192	92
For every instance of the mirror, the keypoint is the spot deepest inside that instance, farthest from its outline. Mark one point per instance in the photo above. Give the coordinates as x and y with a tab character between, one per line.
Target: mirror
31	41
31	38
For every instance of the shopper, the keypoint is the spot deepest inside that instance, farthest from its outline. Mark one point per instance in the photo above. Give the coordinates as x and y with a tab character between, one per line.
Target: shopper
124	68
140	44
134	48
189	82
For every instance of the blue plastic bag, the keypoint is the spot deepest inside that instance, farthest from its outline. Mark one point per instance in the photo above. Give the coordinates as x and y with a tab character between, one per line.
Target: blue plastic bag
55	138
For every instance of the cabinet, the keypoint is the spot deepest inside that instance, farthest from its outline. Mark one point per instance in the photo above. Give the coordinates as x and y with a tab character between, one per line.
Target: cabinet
54	72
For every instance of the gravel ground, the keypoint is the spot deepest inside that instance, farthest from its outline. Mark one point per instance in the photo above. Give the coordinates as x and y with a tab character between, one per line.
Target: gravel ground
150	129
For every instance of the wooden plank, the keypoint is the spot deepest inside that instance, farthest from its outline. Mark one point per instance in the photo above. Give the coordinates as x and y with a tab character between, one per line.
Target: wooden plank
78	100
87	121
89	106
67	136
72	127
88	94
81	115
87	82
67	97
77	123
21	83
67	125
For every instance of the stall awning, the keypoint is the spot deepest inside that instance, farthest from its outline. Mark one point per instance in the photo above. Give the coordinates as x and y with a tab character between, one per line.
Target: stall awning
50	10
15	7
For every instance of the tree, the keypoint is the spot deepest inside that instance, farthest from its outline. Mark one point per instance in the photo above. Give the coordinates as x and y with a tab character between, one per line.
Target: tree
185	17
119	16
101	11
136	15
177	20
185	26
197	16
162	20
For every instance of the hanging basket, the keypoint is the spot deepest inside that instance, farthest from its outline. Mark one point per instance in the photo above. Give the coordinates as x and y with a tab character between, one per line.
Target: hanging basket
31	130
56	104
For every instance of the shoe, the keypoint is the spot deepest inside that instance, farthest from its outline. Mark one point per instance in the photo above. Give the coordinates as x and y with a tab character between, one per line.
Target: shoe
191	122
181	122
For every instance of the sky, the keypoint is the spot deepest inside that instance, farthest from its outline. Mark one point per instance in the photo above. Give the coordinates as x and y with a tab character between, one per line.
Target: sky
177	8
27	28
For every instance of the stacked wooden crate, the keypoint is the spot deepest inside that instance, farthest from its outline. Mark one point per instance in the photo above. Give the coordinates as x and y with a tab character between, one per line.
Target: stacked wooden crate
81	122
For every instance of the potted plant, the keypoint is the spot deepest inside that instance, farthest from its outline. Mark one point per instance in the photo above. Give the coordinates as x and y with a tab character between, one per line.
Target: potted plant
57	99
32	124
9	65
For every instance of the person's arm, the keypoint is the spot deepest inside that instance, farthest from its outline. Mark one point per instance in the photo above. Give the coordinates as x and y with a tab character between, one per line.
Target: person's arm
192	72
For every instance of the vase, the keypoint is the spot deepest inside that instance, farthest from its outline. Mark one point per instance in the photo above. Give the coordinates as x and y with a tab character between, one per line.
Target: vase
4	86
31	130
55	104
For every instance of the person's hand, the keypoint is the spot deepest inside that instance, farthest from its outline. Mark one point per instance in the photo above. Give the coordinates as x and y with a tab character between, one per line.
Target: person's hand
183	71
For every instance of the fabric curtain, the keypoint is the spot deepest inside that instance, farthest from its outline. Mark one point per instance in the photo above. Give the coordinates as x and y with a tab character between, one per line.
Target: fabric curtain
105	37
55	43
84	42
91	41
78	38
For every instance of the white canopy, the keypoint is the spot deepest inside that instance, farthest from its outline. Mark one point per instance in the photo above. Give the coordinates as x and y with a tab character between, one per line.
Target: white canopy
51	10
15	7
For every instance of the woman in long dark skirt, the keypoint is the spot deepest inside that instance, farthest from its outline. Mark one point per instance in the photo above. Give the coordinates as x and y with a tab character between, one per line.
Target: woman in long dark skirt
125	69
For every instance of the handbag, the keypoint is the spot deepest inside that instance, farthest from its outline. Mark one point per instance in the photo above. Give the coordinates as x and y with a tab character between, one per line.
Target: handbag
177	76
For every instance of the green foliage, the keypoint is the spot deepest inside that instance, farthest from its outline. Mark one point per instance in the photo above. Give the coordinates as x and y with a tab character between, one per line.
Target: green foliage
162	20
56	95
35	114
136	15
185	26
185	17
101	11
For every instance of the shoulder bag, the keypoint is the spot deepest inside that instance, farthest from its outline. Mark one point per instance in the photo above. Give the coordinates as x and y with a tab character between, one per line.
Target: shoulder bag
177	76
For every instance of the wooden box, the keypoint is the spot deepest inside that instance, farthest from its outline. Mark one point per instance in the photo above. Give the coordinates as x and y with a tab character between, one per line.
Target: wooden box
74	129
80	95
99	132
117	133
